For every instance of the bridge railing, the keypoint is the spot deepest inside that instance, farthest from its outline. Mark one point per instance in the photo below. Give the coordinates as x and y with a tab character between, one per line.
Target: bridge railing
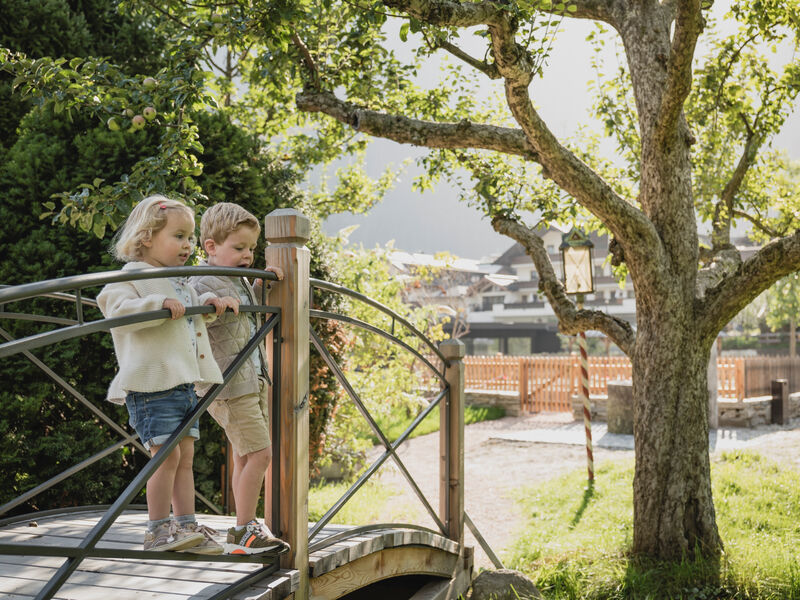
338	371
72	289
287	231
451	516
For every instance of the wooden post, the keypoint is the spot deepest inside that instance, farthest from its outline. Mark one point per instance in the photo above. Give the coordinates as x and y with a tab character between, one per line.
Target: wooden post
522	384
451	442
587	409
287	231
740	380
780	402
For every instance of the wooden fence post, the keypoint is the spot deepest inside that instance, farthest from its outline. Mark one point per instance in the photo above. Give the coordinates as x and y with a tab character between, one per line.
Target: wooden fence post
451	442
781	412
740	379
287	231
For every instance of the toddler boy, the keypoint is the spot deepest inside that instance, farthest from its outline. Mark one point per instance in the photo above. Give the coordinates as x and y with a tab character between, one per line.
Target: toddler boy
229	234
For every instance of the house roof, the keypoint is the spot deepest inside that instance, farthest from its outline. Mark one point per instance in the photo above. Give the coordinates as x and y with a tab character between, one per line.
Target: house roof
402	260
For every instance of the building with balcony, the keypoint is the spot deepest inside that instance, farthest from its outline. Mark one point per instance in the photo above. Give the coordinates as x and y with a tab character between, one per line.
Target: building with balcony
496	307
508	315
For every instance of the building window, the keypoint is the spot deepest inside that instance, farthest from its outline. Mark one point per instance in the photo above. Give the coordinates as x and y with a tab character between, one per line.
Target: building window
485	346
519	346
489	301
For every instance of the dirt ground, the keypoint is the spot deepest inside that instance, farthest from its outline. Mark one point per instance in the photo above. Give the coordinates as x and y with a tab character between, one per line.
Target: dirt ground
494	468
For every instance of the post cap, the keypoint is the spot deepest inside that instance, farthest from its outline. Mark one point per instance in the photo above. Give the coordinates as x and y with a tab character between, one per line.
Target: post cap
453	349
287	225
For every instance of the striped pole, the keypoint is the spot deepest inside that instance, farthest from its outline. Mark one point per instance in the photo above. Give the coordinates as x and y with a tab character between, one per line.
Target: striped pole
587	415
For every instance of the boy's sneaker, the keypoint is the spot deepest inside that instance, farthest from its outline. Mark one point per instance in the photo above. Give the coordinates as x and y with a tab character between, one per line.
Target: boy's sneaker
209	545
253	539
167	536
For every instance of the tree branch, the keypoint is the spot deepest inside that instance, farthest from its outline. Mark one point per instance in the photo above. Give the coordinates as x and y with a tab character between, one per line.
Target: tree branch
449	13
570	320
595	10
488	69
404	130
723	302
634	231
308	60
722	262
758	224
723	211
516	67
688	26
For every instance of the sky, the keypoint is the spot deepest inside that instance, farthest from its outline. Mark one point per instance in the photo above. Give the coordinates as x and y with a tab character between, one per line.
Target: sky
436	220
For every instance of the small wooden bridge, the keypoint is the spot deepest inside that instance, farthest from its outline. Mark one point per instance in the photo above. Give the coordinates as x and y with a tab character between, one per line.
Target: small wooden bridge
93	552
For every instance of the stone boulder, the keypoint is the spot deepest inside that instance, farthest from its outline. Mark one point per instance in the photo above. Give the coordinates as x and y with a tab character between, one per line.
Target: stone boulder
503	584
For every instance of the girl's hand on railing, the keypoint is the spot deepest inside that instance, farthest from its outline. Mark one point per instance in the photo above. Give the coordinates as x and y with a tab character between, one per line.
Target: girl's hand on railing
220	304
175	308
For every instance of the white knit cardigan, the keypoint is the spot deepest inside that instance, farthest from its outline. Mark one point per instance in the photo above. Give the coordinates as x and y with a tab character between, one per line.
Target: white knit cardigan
155	355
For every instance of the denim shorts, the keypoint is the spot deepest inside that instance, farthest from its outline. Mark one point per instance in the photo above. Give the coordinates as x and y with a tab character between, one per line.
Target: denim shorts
155	415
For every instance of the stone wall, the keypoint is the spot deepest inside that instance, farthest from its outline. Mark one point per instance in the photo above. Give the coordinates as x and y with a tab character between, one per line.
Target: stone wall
750	413
753	411
507	400
598	407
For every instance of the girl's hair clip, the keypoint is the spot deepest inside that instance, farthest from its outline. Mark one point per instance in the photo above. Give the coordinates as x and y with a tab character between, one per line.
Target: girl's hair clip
162	206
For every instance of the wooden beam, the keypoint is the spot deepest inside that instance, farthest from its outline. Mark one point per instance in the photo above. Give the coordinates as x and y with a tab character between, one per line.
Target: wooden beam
287	231
391	562
451	442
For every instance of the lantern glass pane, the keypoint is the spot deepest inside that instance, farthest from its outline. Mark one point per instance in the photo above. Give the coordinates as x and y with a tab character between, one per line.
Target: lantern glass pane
578	270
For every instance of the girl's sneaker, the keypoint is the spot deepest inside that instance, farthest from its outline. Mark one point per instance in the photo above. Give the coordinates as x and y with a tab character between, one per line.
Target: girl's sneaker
167	536
209	545
253	538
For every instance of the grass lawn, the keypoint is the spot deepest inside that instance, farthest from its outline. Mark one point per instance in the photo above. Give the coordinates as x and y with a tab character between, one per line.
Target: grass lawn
394	426
372	503
576	542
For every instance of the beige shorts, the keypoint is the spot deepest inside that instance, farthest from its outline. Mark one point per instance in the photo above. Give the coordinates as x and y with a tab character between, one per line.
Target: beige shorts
245	420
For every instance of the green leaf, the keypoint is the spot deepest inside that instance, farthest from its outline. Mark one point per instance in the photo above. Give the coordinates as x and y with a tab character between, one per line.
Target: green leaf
404	31
99	229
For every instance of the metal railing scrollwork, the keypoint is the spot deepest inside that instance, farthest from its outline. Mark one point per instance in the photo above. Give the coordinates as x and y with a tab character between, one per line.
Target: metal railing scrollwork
71	289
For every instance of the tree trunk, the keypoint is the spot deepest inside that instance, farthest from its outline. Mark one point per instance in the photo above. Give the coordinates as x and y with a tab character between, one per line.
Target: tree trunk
673	508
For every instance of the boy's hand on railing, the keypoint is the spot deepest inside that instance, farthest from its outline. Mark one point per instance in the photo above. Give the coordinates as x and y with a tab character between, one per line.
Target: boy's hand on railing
277	270
175	308
220	304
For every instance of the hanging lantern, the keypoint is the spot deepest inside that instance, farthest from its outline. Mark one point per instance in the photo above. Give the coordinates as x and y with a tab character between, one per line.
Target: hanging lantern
576	258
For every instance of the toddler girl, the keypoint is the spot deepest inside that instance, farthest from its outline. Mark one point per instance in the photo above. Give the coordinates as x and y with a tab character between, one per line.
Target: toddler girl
160	361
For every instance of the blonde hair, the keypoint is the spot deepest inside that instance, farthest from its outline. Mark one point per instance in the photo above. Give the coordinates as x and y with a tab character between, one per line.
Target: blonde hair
222	219
146	219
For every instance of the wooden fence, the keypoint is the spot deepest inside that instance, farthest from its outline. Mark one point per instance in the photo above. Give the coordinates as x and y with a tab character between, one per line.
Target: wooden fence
547	383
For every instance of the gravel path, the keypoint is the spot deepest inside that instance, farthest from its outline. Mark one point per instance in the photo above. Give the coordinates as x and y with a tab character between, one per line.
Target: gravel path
496	467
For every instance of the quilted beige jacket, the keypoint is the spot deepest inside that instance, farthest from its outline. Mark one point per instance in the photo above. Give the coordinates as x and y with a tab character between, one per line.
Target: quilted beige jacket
230	333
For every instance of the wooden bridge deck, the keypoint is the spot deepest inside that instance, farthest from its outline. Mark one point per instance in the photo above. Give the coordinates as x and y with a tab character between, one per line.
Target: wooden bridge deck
335	570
